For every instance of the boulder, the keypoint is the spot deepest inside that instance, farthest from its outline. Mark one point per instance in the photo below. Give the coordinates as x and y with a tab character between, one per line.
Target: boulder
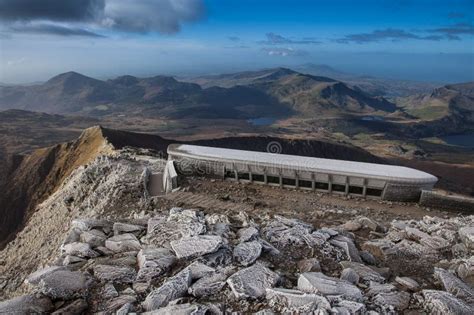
368	258
467	236
78	249
89	224
115	274
124	310
64	284
288	300
75	307
441	302
108	291
365	273
376	288
247	253
348	246
118	302
153	262
396	299
38	275
26	305
180	309
350	275
95	238
211	284
251	282
71	260
454	285
248	234
120	228
123	243
195	246
221	258
73	236
199	270
408	283
172	289
349	308
316	282
190	222
309	265
380	248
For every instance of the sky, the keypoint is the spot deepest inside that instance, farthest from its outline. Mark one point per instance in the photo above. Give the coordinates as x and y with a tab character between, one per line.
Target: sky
401	39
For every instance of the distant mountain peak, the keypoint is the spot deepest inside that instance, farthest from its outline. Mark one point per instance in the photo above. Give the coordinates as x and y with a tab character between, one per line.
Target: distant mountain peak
70	76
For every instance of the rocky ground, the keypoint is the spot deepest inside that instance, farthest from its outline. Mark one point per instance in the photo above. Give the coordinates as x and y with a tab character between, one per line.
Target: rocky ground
101	245
190	262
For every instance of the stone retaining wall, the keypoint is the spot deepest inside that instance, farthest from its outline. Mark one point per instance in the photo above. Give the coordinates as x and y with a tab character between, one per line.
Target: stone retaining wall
439	201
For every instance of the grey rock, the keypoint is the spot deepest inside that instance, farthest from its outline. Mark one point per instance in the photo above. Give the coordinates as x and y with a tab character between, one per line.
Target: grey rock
124	309
441	302
153	262
247	253
75	307
291	300
172	289
120	228
89	224
194	246
83	250
109	291
123	242
248	234
467	236
365	273
211	284
64	284
95	238
350	275
221	258
38	275
71	260
376	288
455	286
180	309
316	282
408	283
116	274
252	282
73	236
348	246
309	265
199	270
118	302
380	248
216	218
370	224
191	222
399	300
349	308
26	305
368	258
285	232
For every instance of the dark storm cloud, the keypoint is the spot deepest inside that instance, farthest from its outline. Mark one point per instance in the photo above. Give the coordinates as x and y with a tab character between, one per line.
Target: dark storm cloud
54	30
53	10
276	39
385	34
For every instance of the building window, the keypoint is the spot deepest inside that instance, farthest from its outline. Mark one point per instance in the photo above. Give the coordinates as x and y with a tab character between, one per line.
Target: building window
229	174
258	178
338	188
356	190
374	192
244	176
305	183
321	186
273	179
289	182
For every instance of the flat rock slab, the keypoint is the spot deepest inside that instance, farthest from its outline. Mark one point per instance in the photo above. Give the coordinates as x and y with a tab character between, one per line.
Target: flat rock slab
211	284
455	286
116	274
248	234
95	238
120	228
399	300
172	289
316	282
195	246
89	224
26	304
252	282
153	262
467	236
365	273
123	243
408	283
64	284
38	275
78	249
286	299
247	253
441	302
180	309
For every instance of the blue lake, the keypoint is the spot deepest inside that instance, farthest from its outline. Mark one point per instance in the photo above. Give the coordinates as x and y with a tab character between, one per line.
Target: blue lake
466	140
263	121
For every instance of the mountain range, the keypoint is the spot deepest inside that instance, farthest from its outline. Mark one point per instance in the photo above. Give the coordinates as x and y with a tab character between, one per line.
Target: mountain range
276	92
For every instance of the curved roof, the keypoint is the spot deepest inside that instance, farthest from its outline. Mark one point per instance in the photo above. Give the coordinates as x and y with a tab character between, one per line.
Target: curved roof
369	170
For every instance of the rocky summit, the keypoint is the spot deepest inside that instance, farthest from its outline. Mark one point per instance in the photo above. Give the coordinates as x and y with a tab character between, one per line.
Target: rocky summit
219	264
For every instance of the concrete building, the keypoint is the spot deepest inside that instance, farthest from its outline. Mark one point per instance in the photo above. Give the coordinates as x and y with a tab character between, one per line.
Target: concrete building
370	180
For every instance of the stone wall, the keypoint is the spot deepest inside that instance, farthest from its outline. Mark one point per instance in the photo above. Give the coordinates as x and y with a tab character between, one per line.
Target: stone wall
440	201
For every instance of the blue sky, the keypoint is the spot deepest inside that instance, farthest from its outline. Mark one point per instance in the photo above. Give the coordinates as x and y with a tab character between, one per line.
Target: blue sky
405	39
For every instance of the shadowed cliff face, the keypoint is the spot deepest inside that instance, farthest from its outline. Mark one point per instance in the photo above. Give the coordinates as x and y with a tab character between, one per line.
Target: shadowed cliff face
30	179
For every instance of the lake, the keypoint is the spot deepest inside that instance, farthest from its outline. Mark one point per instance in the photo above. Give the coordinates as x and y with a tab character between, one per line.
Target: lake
465	140
263	121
